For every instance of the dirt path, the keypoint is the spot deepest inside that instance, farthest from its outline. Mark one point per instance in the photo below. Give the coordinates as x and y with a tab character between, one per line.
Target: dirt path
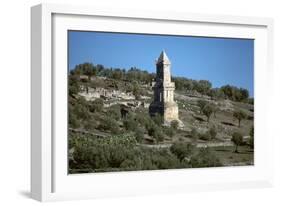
199	145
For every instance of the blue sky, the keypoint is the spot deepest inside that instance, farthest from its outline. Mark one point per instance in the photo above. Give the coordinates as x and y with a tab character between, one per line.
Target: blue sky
220	60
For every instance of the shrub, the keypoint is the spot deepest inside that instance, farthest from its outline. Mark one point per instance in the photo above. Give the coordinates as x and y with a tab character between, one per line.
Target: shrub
212	132
81	112
96	105
205	158
158	135
194	134
155	132
131	164
73	88
251	140
114	112
137	91
130	124
208	135
237	139
143	119
117	153
109	124
163	159
207	111
158	119
234	93
169	131
239	115
73	121
205	136
139	133
182	150
201	104
175	124
90	124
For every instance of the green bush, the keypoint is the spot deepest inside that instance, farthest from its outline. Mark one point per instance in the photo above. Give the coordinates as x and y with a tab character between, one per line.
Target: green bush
80	109
201	104
131	164
205	158
130	124
96	105
212	132
155	132
208	111
109	124
175	124
205	136
158	135
169	131
117	153
194	135
73	83
239	115
237	139
90	124
182	150
73	121
158	119
209	134
139	133
251	140
163	159
143	120
114	112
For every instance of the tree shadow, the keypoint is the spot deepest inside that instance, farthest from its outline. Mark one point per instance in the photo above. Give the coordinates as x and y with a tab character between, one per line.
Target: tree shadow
245	152
200	119
228	124
223	150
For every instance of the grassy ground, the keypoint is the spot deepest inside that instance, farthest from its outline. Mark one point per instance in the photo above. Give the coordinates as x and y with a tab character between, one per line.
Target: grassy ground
228	157
223	120
191	117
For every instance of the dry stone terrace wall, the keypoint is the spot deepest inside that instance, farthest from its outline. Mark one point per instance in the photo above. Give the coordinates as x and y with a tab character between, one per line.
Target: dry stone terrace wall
95	93
113	97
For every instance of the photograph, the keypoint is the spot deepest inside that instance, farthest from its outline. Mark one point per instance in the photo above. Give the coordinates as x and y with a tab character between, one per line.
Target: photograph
154	102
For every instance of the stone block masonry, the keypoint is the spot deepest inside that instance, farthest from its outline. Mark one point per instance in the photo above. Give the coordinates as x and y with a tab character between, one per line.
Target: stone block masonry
163	100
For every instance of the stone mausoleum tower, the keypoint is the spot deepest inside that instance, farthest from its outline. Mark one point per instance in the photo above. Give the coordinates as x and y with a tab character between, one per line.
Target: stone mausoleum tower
163	102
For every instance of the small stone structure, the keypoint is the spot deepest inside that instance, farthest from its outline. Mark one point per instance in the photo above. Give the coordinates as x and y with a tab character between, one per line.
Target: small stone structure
163	102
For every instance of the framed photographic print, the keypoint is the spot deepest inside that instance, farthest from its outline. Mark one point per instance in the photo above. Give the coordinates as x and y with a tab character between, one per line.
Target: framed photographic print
136	102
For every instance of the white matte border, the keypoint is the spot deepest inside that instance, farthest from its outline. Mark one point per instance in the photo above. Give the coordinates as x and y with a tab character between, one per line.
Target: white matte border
59	185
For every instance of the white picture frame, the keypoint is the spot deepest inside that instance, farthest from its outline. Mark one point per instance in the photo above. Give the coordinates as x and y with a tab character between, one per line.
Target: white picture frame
49	178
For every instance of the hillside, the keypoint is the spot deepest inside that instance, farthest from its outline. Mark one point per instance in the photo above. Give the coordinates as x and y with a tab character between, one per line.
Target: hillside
104	107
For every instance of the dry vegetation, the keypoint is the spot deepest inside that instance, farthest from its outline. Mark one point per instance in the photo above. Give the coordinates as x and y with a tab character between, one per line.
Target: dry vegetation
110	128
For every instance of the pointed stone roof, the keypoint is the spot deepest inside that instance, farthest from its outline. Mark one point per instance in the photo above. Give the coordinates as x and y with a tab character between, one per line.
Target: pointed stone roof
163	58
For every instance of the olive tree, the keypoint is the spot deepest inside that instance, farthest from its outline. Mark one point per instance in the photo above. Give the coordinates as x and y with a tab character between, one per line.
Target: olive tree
207	111
251	140
239	115
201	104
88	69
237	139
